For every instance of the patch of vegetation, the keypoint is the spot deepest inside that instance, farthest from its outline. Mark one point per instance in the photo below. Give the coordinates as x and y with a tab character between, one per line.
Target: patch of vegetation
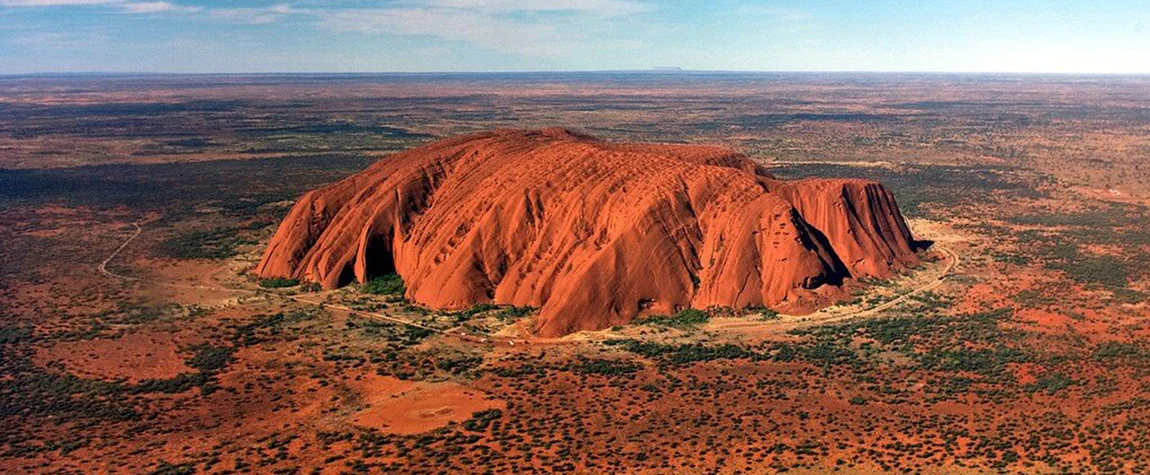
277	283
401	359
29	391
1036	298
973	343
210	359
211	244
165	468
928	190
413	335
512	313
989	362
387	284
1108	271
685	353
606	367
174	385
688	318
1114	350
265	327
1062	242
178	188
10	334
128	313
765	314
457	363
481	420
819	353
465	315
1051	384
1010	258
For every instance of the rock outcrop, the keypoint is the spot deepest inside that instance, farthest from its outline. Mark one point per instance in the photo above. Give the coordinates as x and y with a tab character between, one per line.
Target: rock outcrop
591	233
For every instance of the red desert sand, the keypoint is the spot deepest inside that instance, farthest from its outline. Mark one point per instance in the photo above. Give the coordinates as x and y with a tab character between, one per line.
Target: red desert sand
592	233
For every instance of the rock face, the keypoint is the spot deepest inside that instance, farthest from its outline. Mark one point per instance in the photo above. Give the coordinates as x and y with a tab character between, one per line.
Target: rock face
591	233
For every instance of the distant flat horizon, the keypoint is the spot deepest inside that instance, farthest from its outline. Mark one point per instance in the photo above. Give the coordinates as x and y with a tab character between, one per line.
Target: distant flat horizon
261	36
661	72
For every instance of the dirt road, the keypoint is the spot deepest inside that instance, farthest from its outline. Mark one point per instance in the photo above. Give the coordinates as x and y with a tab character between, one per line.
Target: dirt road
817	319
103	267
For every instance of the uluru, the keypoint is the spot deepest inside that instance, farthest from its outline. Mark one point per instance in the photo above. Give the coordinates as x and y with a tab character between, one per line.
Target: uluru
592	233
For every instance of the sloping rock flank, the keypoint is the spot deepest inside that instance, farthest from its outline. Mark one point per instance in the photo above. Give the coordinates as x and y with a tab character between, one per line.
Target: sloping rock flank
591	233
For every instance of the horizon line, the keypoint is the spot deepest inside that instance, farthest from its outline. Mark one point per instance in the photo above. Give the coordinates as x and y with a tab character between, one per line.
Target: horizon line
656	71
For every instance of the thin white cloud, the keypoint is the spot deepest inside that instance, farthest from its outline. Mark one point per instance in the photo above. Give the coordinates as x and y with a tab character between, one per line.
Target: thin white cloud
123	5
500	25
155	7
604	8
254	16
54	3
60	40
538	28
497	33
779	19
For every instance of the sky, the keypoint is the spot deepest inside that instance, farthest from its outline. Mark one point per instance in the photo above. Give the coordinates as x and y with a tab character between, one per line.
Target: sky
218	36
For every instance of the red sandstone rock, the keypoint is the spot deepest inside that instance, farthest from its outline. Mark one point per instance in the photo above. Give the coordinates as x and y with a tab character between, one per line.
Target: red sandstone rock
592	233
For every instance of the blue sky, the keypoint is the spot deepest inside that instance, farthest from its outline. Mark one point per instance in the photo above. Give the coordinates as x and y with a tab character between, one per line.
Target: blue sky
1070	36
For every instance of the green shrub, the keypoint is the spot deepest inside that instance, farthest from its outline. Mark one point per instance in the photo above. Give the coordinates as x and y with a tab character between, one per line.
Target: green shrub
684	354
387	284
514	313
606	367
767	314
211	244
208	358
278	282
14	334
1051	384
465	315
165	468
685	319
480	420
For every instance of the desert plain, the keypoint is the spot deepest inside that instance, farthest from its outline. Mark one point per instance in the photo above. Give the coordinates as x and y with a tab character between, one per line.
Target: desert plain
137	335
